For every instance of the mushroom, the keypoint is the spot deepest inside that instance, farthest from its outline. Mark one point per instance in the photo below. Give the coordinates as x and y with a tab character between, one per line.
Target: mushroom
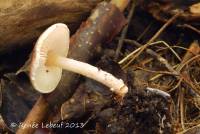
49	58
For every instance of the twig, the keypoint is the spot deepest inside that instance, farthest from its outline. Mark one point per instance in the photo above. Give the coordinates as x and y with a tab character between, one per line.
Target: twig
190	27
172	47
182	112
124	31
177	85
86	122
129	55
156	35
152	71
143	33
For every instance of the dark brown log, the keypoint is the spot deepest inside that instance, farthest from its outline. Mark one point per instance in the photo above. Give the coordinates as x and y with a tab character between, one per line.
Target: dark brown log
23	21
104	23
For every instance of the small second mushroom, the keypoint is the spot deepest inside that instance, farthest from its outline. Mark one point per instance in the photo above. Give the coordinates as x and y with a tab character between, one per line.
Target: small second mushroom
49	58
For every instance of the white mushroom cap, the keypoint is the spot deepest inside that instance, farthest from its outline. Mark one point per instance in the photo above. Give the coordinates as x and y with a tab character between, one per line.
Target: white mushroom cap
55	39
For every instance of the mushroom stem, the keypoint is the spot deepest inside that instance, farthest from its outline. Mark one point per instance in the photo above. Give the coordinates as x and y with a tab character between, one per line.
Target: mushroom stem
85	69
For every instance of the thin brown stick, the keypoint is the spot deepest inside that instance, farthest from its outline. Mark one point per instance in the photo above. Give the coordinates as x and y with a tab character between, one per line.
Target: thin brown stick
144	32
182	111
124	31
164	48
177	85
152	71
170	21
190	27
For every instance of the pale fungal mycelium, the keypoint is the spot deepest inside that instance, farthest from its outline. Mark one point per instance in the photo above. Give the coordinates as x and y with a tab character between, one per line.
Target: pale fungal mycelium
49	58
